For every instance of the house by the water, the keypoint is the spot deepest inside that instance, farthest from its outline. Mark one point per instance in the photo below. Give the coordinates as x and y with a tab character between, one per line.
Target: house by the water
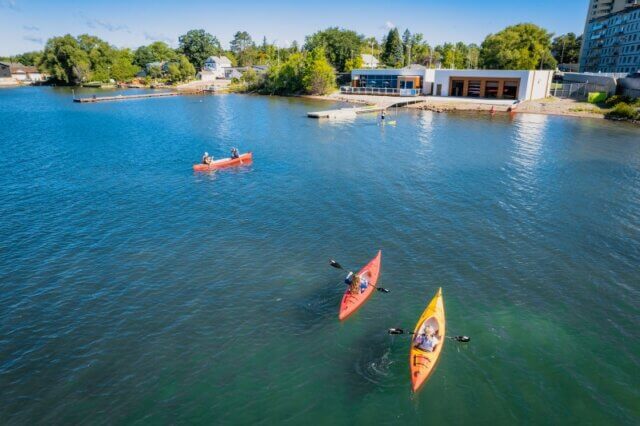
418	80
12	73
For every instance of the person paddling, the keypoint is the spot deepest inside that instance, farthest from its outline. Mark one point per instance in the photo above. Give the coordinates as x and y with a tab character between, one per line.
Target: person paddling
235	153
356	283
427	341
206	158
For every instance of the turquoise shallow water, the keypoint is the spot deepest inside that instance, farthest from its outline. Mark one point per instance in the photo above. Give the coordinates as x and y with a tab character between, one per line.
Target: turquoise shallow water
135	291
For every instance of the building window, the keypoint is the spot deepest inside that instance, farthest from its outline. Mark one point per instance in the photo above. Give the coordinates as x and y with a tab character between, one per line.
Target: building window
491	89
474	89
457	87
510	90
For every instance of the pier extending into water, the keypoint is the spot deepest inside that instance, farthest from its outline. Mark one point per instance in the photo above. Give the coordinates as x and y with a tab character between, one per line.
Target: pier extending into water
377	107
94	99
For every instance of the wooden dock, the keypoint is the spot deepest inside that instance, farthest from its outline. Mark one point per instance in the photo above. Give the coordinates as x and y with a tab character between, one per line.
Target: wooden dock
380	105
124	97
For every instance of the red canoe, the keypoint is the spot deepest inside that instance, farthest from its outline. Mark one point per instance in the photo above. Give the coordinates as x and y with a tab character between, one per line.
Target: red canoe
246	158
352	302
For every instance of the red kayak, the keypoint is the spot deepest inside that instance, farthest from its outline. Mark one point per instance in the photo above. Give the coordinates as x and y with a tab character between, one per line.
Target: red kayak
246	158
352	302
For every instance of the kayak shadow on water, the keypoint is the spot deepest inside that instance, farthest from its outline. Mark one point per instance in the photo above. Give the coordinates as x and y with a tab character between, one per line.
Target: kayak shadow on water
319	305
371	366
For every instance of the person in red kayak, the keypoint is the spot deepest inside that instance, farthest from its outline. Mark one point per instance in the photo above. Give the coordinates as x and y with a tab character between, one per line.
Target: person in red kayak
356	283
207	159
235	153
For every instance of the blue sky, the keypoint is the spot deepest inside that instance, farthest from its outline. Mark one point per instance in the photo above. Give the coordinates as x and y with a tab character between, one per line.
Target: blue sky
26	24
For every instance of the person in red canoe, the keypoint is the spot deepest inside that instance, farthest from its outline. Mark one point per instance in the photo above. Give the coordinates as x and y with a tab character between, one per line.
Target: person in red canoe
235	153
207	159
356	283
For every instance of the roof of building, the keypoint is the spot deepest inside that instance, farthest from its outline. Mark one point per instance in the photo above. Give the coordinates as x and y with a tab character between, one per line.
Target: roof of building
367	58
222	60
415	67
18	68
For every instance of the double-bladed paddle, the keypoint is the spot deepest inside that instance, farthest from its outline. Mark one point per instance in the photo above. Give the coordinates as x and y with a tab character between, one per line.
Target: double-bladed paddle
338	266
463	339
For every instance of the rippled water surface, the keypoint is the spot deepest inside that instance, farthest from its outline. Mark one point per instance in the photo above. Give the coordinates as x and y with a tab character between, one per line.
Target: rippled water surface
133	290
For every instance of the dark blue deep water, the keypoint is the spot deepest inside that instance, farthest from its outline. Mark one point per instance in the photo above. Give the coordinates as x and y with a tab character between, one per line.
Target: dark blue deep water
135	291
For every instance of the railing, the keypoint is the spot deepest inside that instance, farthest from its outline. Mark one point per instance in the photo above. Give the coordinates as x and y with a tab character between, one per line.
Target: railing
575	90
385	91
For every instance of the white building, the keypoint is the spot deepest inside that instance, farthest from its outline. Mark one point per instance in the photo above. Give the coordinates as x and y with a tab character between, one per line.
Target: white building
215	67
369	61
417	80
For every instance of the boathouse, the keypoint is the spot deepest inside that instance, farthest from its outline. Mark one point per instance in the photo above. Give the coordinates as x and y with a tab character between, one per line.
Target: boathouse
416	80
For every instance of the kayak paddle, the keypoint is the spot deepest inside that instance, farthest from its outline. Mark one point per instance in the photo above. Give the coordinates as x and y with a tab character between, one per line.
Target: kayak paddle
338	266
463	339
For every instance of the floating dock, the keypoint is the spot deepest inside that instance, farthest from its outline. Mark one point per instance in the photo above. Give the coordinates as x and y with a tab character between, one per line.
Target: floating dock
124	97
345	112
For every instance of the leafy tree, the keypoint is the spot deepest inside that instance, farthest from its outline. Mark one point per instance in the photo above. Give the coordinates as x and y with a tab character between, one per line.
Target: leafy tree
27	58
157	51
286	78
65	60
370	46
354	64
122	67
319	77
566	48
392	52
187	70
241	41
522	46
198	45
339	45
174	74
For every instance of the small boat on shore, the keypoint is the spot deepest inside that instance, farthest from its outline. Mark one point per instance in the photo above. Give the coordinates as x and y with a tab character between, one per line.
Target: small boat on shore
352	302
244	159
422	361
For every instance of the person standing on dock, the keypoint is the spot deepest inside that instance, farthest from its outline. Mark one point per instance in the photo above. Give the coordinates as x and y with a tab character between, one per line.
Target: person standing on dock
382	115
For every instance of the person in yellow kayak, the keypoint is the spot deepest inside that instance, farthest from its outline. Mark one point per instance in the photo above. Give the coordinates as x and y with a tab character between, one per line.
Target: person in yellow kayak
235	153
427	341
207	159
356	283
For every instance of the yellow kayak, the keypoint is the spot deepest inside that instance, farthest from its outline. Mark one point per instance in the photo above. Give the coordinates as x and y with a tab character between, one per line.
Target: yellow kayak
427	342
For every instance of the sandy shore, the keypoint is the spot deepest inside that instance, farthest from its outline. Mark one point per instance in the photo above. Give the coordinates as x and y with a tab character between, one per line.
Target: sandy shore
551	106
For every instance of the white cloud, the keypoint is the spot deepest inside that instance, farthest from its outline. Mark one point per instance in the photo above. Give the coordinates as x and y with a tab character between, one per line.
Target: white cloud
158	37
96	23
389	25
30	28
37	40
10	4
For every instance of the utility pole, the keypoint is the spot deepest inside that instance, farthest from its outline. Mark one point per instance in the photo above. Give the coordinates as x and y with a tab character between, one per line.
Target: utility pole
371	62
564	40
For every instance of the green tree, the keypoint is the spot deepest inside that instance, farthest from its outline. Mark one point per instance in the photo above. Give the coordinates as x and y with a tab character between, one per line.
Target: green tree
354	64
519	47
157	51
339	44
122	67
65	60
392	52
174	74
187	70
28	58
319	77
566	48
241	41
286	78
198	45
407	44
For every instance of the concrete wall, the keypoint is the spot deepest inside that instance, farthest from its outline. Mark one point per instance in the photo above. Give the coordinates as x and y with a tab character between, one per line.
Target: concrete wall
533	84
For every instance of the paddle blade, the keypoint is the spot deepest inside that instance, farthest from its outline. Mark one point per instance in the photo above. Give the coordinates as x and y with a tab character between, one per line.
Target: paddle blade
335	264
383	290
396	331
463	339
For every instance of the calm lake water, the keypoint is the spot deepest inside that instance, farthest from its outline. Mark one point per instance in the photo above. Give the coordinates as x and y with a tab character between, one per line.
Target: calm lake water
133	290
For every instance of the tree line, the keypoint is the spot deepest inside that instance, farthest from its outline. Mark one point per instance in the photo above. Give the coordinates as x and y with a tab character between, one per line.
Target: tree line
297	69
